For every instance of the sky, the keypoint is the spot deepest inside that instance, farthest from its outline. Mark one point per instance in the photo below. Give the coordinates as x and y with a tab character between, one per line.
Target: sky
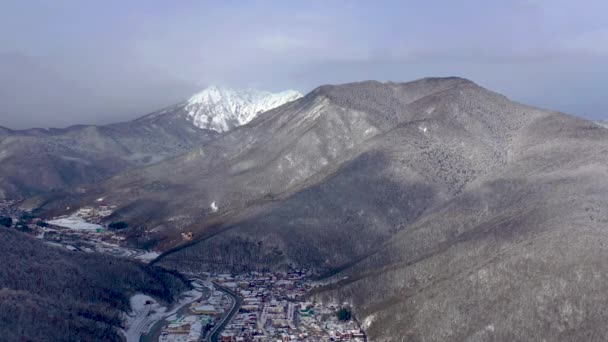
67	62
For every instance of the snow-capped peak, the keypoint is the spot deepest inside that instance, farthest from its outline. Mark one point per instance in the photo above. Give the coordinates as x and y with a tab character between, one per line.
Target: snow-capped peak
603	123
221	109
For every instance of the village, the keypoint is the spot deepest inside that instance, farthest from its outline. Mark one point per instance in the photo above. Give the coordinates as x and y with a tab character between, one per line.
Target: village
262	307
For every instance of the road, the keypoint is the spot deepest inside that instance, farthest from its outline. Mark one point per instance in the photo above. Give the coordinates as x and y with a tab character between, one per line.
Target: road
236	305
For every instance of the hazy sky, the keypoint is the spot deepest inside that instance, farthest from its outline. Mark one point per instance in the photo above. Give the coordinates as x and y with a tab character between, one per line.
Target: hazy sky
68	62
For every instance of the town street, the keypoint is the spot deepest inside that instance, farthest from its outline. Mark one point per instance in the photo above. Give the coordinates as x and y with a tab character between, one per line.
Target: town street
236	304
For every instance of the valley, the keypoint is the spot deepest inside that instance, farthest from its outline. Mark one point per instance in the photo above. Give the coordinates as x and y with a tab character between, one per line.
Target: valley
224	307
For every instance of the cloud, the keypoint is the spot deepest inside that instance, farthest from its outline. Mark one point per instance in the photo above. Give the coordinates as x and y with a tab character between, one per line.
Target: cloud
118	59
591	43
281	43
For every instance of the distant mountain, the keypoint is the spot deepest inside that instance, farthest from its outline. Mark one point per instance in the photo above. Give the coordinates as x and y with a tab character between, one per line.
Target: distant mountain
41	160
222	109
603	123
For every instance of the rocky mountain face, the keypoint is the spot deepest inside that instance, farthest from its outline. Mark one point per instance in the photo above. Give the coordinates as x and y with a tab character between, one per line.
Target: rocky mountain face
439	209
41	160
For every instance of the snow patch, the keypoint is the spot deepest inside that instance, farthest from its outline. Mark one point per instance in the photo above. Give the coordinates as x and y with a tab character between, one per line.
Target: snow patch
74	159
74	222
147	256
214	207
367	322
370	130
290	160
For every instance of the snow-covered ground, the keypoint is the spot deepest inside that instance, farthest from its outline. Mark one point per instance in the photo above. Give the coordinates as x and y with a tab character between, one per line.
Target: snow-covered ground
221	109
147	256
81	219
74	222
146	311
602	123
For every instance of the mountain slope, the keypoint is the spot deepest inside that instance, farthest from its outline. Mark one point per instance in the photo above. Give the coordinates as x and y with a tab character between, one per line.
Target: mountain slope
50	294
277	154
422	153
519	256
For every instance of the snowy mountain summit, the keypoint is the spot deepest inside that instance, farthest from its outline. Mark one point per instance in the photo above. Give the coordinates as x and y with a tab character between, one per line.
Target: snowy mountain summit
221	109
603	123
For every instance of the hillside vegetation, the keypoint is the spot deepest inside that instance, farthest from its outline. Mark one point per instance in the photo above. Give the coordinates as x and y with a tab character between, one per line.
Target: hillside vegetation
50	294
443	211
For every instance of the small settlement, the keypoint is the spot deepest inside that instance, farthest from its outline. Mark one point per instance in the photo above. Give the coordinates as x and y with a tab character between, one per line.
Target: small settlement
271	307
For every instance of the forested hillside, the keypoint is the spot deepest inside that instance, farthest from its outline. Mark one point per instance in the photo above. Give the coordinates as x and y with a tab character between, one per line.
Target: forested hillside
50	294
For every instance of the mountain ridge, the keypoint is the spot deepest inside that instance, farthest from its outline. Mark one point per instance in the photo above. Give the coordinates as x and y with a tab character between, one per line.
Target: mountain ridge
81	154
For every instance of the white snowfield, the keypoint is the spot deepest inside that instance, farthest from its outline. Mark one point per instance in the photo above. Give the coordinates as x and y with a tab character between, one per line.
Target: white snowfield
78	219
221	109
147	256
74	222
146	311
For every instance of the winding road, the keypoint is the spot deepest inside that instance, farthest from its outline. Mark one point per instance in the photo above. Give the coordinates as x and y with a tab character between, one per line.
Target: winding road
236	305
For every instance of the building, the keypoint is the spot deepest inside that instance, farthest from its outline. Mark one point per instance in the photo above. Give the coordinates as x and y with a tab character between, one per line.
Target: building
203	309
227	337
179	326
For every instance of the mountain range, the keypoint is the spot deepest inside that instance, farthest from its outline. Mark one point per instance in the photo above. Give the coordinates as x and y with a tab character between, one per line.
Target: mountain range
439	209
43	160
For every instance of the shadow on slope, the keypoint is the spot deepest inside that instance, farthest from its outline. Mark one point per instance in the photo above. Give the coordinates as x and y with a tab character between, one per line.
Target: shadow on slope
323	227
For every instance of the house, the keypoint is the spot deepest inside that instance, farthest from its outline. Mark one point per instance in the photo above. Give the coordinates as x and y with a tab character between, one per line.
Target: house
250	308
